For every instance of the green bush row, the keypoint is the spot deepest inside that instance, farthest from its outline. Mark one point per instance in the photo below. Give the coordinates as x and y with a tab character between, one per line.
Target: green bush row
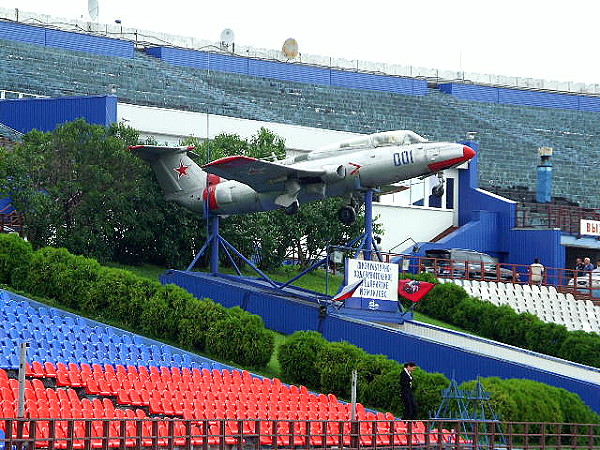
165	312
452	304
307	358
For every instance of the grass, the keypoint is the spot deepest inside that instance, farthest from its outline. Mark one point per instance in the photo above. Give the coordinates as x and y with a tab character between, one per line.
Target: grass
144	270
317	280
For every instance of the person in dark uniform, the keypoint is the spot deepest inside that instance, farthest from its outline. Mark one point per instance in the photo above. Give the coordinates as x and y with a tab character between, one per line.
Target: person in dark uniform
406	391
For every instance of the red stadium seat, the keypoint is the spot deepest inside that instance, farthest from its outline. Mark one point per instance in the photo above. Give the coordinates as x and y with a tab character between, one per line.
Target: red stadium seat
62	377
123	397
134	398
38	369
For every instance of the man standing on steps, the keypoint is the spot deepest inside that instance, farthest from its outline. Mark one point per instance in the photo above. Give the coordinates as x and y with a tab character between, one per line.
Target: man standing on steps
406	391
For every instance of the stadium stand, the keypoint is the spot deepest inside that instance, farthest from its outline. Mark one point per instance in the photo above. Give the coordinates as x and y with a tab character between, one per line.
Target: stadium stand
83	370
509	135
543	301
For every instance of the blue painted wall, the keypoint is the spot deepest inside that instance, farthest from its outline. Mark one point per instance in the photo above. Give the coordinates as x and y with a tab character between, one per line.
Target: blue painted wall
88	43
295	72
488	225
294	313
6	206
22	33
490	94
45	114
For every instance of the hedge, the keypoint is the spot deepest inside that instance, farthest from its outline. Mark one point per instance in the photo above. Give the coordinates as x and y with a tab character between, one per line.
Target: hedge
379	383
164	312
452	304
327	367
527	400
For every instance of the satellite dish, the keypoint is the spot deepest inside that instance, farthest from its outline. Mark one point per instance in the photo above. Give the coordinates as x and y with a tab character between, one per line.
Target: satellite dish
290	48
227	37
93	9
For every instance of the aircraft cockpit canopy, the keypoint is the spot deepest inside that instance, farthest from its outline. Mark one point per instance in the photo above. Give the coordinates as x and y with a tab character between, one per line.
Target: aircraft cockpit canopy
401	137
383	139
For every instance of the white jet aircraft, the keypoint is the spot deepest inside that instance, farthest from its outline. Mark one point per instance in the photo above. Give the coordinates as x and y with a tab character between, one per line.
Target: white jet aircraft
241	184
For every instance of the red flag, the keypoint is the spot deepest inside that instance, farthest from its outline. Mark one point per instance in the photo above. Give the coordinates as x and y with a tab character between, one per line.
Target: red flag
414	290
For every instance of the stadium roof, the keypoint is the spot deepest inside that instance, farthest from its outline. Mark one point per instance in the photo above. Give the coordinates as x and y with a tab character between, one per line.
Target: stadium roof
151	38
10	134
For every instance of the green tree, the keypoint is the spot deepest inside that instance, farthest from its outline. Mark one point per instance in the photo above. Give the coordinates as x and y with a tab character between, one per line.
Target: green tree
15	257
80	188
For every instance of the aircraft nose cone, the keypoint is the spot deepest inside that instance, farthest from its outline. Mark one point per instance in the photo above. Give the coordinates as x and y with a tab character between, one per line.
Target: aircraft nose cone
468	152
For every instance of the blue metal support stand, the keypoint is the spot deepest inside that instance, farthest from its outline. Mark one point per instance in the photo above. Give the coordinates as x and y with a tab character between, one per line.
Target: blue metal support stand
214	250
368	243
215	242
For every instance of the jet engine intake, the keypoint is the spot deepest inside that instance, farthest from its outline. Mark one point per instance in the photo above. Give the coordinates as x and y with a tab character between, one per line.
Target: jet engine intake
334	173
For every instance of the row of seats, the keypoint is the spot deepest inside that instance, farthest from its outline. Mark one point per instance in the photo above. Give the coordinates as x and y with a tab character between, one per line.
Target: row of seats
55	336
171	391
543	301
327	417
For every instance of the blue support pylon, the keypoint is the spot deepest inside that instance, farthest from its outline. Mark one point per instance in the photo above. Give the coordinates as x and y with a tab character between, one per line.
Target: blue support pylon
215	242
474	412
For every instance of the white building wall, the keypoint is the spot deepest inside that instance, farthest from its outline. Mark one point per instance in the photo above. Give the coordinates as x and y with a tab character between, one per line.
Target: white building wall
404	224
169	126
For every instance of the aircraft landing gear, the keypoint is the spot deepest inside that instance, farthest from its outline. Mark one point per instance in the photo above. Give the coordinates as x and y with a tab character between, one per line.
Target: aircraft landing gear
438	190
293	208
347	215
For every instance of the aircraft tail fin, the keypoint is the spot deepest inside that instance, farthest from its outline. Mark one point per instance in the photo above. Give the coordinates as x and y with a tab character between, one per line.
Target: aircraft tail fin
180	178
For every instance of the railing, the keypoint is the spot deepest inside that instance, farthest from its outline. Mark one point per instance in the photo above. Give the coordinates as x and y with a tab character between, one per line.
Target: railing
582	284
567	218
10	222
172	433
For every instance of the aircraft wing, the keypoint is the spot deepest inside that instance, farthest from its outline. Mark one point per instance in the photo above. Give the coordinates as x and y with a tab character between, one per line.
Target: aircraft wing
262	176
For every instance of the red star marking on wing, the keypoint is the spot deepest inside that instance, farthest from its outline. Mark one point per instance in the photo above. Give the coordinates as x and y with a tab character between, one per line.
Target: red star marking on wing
355	171
181	170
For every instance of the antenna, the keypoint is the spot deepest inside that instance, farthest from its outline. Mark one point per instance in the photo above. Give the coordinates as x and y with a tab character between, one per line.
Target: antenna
290	48
227	39
93	9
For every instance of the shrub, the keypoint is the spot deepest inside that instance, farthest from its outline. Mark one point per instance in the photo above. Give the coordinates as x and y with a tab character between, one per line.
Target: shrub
378	382
241	337
155	317
197	318
15	257
121	295
582	347
336	362
428	391
299	358
527	400
57	274
442	300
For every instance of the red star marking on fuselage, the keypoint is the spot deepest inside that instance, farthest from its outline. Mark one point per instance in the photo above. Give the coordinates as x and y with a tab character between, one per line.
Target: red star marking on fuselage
355	171
181	170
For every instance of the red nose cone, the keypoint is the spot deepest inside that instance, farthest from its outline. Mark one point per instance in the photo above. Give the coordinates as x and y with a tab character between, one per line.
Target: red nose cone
468	152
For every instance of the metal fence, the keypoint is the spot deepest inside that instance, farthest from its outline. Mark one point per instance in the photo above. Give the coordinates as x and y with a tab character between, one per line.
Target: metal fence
566	218
171	433
581	284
